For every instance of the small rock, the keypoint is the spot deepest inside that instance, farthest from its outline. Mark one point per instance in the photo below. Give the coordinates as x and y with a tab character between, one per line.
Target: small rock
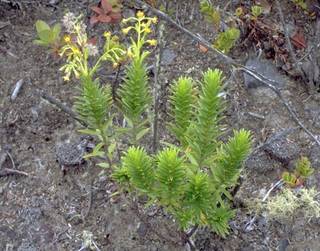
167	57
26	246
283	244
281	148
71	154
260	162
315	157
142	229
264	67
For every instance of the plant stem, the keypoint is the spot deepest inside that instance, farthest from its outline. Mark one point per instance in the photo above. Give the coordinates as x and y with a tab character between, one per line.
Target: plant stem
105	143
156	90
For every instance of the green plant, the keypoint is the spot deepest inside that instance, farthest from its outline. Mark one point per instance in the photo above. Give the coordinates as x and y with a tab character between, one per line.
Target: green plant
303	168
290	179
256	11
78	49
302	171
182	103
227	39
191	180
210	13
48	36
300	3
93	106
134	93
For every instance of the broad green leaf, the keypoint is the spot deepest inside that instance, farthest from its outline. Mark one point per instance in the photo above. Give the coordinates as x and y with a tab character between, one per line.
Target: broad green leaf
98	147
94	154
142	133
103	165
191	158
111	148
42	26
89	132
45	36
56	31
40	42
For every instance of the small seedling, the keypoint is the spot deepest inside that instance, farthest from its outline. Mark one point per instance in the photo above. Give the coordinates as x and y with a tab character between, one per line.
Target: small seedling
48	36
256	11
303	168
227	39
300	3
211	14
108	12
302	171
290	179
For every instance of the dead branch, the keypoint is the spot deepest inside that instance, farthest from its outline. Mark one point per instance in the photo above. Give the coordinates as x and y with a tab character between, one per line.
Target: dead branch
60	105
10	171
270	83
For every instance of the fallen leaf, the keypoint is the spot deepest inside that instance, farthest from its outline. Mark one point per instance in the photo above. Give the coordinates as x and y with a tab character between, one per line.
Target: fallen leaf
298	39
93	41
202	48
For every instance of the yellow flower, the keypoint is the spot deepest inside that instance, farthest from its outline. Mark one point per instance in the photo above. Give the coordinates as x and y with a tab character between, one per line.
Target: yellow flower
129	53
115	65
147	30
154	20
140	14
126	30
75	50
66	78
107	34
115	38
125	20
67	38
239	12
152	42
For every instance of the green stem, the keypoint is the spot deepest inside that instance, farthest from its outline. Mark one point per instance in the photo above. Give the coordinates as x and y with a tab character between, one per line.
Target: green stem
105	144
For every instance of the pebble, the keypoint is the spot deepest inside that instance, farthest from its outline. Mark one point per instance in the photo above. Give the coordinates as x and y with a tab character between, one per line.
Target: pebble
167	57
315	157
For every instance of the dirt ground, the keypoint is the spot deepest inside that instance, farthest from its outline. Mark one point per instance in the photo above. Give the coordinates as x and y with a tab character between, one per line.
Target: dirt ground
49	211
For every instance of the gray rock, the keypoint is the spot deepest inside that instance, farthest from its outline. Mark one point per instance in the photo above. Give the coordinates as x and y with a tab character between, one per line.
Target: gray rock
142	229
71	154
315	157
283	244
167	57
281	149
26	246
264	67
260	162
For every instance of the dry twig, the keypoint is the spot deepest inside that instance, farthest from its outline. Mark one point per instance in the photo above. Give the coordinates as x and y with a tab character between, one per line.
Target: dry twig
60	105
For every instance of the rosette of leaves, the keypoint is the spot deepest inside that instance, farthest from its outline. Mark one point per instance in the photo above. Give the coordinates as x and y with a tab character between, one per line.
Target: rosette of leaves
191	181
108	12
210	13
48	36
227	39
